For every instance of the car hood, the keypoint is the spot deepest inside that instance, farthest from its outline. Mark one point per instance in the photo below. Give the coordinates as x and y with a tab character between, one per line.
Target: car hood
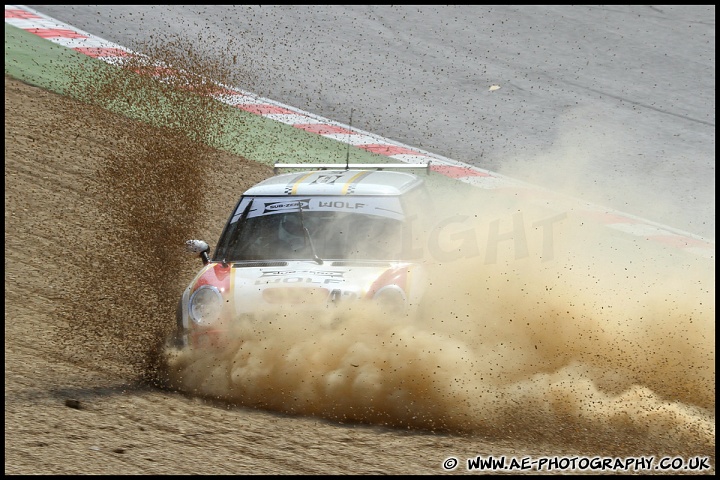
250	286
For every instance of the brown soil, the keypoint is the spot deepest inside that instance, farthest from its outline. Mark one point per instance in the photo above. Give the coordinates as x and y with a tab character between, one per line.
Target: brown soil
96	209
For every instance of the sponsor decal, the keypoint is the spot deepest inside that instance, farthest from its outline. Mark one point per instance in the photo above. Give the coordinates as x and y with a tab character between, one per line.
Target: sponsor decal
327	273
382	206
341	205
294	205
299	277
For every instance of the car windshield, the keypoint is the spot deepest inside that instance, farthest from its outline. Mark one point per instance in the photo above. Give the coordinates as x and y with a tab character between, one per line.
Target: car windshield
262	233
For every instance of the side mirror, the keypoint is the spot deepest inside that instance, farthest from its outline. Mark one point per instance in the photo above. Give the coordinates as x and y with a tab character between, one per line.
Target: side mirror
199	248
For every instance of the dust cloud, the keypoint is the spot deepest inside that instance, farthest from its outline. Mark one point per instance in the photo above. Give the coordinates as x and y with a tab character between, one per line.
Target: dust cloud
592	147
536	324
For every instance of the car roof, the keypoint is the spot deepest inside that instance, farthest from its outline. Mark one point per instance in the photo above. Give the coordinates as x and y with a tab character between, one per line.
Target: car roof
337	182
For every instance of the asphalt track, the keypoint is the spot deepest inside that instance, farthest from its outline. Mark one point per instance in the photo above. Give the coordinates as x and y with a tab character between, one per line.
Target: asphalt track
611	104
272	146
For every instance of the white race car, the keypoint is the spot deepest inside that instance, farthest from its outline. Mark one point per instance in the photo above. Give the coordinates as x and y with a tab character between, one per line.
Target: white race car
311	241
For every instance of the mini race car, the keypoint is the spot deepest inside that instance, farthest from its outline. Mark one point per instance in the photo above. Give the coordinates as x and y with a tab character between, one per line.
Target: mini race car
309	241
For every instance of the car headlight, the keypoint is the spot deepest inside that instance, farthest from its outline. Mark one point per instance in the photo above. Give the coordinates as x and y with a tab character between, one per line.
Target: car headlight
205	305
391	299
